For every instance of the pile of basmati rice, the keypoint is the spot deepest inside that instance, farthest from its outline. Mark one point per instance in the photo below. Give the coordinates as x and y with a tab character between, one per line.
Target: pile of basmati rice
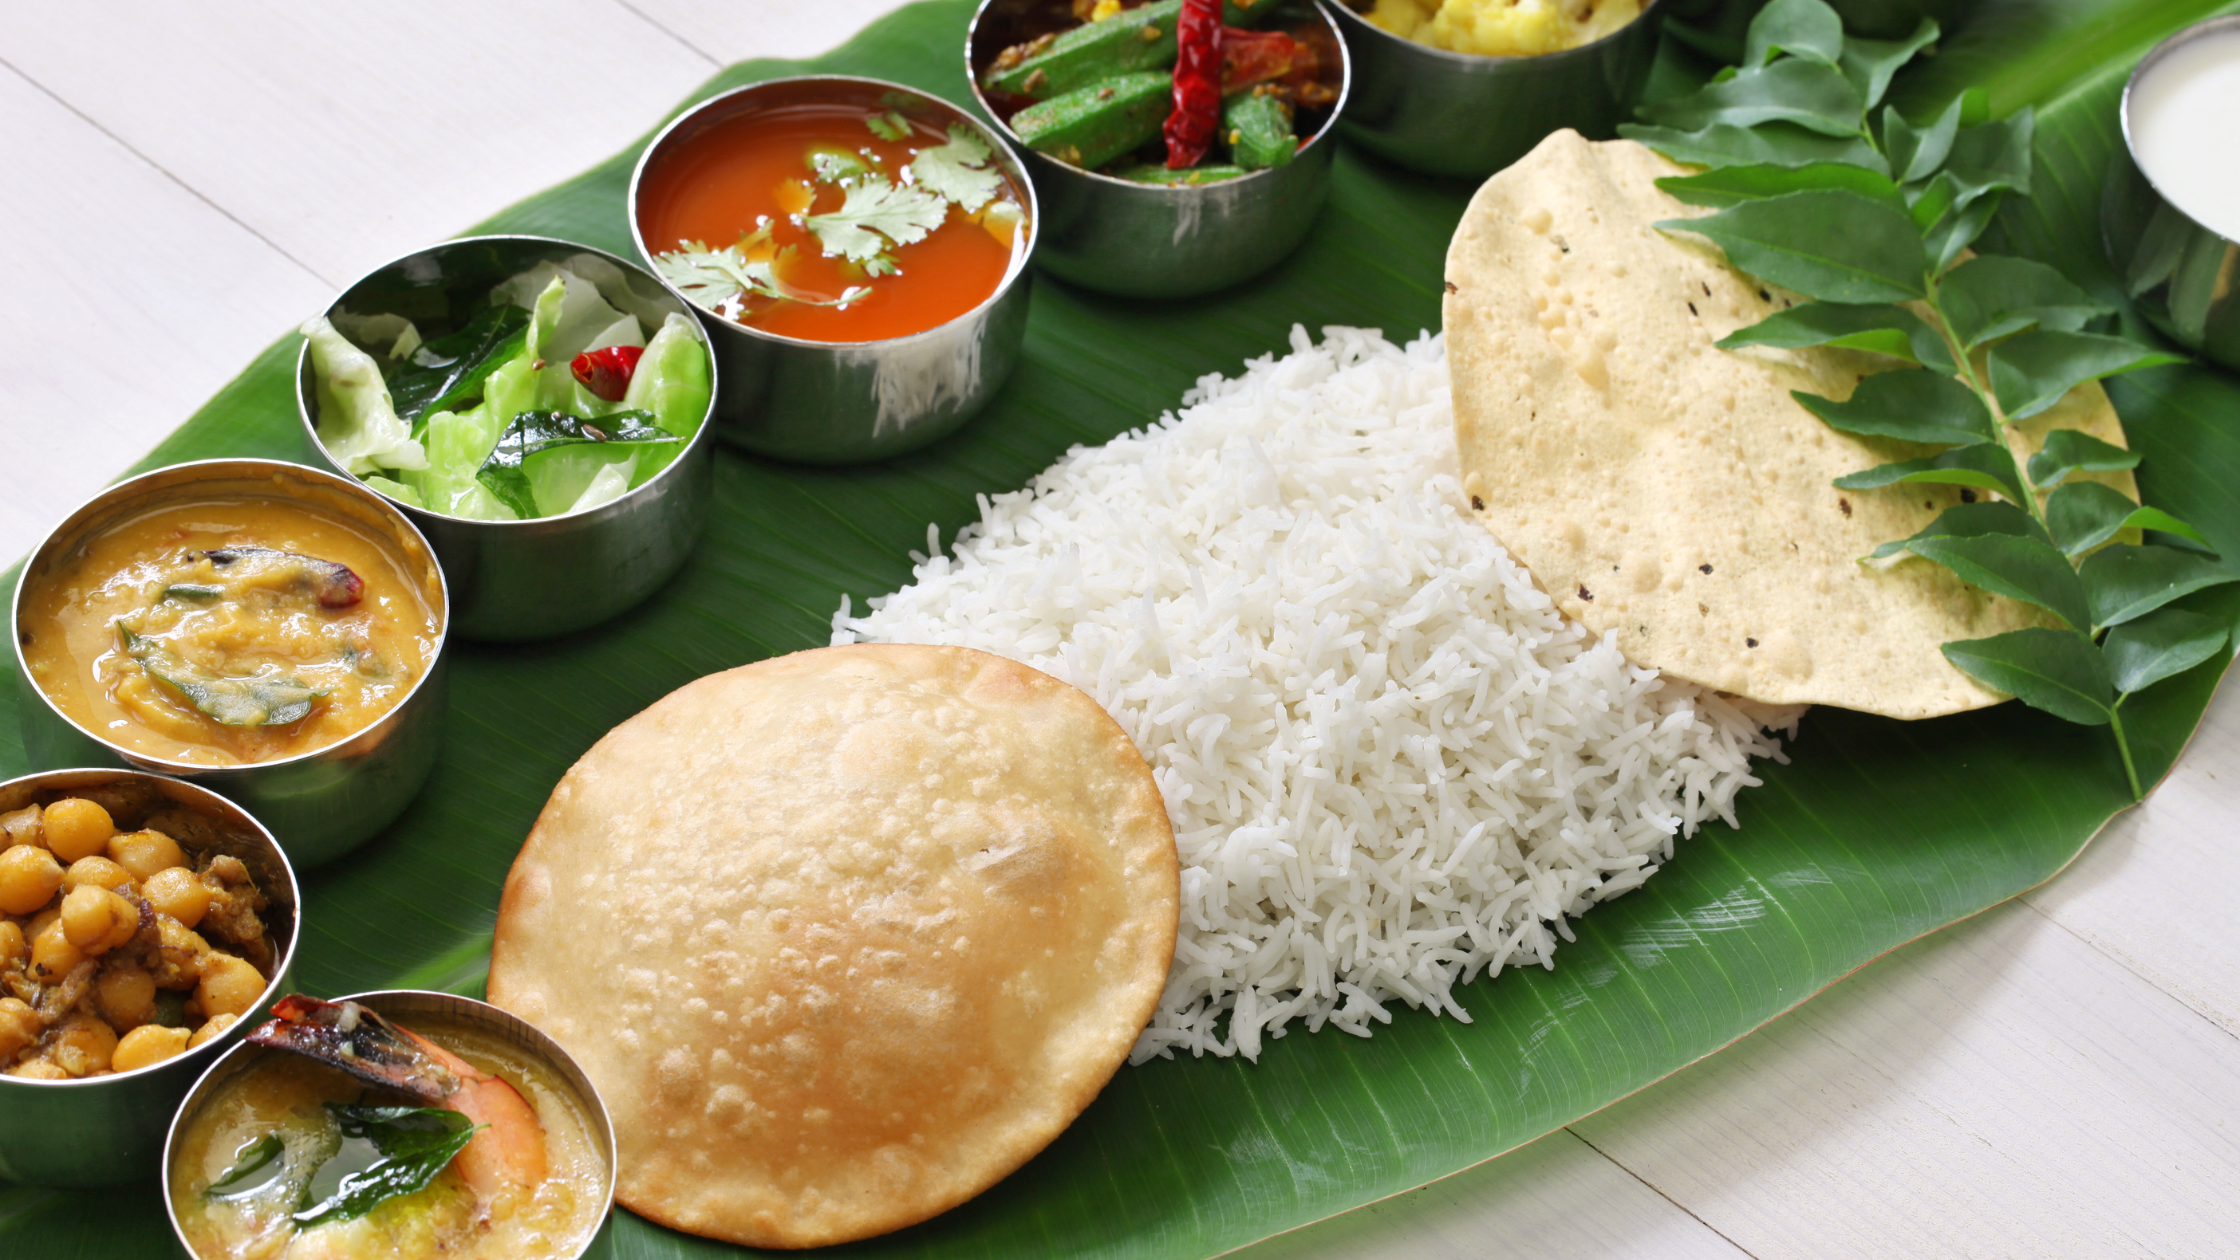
1390	764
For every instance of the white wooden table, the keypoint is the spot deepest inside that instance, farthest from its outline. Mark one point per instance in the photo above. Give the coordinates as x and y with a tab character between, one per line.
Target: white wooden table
2059	1077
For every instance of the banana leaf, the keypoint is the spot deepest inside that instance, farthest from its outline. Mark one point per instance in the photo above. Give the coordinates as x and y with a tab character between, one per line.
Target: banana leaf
1877	832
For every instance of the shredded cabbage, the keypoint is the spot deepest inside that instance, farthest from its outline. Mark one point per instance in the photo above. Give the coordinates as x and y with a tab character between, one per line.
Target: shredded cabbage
357	422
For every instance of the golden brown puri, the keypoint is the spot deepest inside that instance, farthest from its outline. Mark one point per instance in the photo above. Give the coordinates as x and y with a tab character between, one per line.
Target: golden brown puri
1673	493
845	936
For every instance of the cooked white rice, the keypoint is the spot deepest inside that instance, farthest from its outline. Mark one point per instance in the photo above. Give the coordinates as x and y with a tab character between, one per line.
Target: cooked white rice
1390	764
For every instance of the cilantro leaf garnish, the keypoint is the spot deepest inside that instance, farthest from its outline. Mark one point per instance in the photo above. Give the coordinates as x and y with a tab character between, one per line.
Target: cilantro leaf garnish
834	165
722	279
877	207
955	170
889	126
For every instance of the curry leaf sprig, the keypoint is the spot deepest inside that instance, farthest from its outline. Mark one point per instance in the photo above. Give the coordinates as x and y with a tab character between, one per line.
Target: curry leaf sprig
1861	211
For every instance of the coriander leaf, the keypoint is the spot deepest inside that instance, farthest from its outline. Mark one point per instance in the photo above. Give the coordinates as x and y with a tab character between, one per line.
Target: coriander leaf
880	265
1732	185
2125	582
1776	144
889	126
954	170
1993	155
1916	154
2067	450
831	164
2162	644
2033	371
2016	566
1956	231
1992	296
1881	327
1912	406
2084	514
1968	520
415	1144
1826	244
876	207
1870	63
1810	94
2052	670
1986	466
1801	28
722	279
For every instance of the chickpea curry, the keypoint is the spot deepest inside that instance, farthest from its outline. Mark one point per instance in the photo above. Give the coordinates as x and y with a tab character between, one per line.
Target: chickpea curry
229	630
367	1138
120	947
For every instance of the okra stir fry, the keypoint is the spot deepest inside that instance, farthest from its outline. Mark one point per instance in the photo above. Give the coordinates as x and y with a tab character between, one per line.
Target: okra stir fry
1176	92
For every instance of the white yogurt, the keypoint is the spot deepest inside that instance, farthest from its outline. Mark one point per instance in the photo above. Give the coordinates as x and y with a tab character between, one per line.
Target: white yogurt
2185	129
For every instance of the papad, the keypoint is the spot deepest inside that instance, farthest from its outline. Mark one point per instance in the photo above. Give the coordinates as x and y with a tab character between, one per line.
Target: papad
1673	493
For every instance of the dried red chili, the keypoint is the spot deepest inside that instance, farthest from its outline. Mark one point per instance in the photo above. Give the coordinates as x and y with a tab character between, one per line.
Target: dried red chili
1197	84
607	372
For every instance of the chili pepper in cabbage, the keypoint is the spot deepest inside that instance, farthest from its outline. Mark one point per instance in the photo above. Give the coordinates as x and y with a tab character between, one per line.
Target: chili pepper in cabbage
1197	84
606	373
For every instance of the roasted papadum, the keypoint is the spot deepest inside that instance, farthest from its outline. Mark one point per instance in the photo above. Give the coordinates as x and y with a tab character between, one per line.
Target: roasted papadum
1674	493
843	937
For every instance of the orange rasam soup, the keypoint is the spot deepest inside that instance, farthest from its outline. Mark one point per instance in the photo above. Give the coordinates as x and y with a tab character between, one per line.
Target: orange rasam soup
833	221
230	629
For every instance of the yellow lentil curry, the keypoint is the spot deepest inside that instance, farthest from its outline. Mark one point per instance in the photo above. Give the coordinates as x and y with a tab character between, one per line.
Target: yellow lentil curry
230	630
281	1209
119	948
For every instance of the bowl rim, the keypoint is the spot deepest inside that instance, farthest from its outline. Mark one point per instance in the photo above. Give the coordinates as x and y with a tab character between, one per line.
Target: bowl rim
1013	274
1483	62
244	468
206	802
1326	133
2208	27
547	1048
305	410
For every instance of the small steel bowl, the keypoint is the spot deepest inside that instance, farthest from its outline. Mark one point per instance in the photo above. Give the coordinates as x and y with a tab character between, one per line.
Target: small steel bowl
107	1130
1450	113
2177	272
838	402
319	803
549	575
406	1007
1147	241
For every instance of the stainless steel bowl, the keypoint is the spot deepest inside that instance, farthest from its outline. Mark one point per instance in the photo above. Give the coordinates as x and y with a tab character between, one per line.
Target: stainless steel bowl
821	402
106	1130
318	803
2178	273
1139	240
1450	113
547	576
406	1006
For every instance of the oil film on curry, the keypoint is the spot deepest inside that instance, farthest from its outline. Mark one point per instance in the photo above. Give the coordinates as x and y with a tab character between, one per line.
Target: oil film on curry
1309	706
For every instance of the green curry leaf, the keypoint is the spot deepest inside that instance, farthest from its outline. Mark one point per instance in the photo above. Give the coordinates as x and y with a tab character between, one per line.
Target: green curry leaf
2125	583
2068	450
2035	370
415	1144
1827	244
1880	327
532	433
1969	520
2084	514
1985	466
2164	643
268	698
446	371
1776	144
1870	63
1810	94
1732	185
1994	296
2053	670
1916	153
1800	28
2016	566
1912	406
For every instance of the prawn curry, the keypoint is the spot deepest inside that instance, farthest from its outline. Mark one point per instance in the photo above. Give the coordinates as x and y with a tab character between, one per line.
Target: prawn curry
364	1138
230	629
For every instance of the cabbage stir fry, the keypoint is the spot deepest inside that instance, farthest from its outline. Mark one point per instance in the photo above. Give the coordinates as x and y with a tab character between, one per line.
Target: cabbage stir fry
562	392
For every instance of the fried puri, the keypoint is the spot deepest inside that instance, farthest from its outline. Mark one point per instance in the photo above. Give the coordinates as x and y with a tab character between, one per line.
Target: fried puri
843	937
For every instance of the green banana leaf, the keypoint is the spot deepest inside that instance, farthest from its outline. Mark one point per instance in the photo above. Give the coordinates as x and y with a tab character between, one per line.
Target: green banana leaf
1876	833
